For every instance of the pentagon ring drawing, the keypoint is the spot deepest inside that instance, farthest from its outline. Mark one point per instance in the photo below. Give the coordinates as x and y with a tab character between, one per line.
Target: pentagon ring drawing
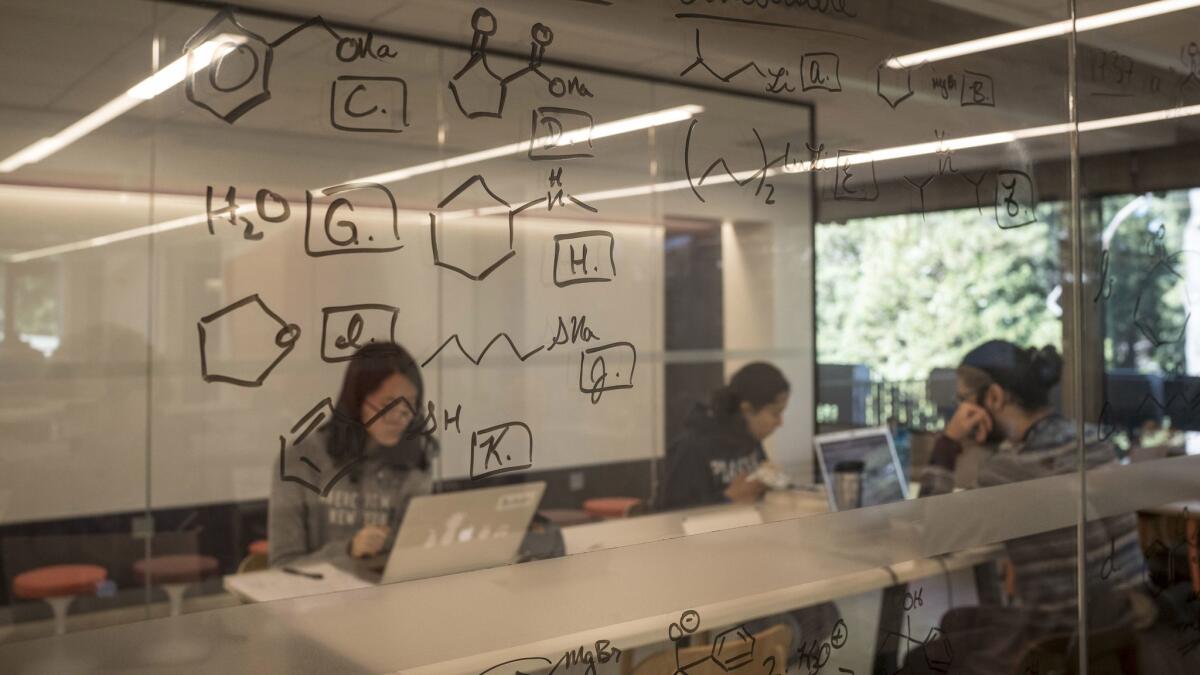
248	316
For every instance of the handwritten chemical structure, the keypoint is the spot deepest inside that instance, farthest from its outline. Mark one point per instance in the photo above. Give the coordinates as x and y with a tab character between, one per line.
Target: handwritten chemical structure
579	332
237	79
732	648
229	73
473	263
249	315
935	646
476	360
330	228
815	71
893	85
757	176
586	658
312	468
231	211
479	91
1189	56
815	655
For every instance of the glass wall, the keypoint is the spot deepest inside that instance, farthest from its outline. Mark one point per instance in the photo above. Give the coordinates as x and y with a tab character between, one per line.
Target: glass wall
855	333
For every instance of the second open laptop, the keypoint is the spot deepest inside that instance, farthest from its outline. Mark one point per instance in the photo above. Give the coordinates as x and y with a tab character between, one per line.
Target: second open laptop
860	468
462	531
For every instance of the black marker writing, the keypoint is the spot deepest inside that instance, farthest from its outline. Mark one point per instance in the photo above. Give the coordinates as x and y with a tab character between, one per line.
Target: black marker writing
346	328
578	332
500	449
342	230
350	49
245	312
466	262
372	104
584	257
500	337
606	368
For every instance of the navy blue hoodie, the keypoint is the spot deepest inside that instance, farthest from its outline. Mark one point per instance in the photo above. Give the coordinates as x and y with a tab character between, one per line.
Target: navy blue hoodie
705	459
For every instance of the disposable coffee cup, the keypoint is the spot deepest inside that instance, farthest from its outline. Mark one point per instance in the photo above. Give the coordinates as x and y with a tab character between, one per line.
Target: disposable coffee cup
847	485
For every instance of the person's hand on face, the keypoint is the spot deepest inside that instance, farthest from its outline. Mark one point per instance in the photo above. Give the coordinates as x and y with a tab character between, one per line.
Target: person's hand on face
743	490
969	421
368	541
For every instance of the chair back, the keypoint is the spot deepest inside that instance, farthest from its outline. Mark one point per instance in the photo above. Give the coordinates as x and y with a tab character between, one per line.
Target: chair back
771	642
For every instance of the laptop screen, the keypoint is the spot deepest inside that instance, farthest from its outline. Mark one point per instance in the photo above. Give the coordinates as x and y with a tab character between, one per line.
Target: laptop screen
865	459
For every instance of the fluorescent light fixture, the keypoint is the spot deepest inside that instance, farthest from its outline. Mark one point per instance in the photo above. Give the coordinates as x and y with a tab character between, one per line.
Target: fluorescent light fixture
904	151
603	130
827	163
145	90
1049	30
115	237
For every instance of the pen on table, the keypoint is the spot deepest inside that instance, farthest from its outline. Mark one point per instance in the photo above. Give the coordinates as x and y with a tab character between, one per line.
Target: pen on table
302	573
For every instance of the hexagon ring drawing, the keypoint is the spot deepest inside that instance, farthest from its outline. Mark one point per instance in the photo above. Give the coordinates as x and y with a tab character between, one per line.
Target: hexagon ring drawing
228	67
248	318
472	241
733	648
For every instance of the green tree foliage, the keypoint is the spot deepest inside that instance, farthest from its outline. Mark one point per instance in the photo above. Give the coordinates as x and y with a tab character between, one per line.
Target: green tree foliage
905	294
1146	307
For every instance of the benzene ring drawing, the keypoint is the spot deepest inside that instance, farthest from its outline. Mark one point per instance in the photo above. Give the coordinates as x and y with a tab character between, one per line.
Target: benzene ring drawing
229	68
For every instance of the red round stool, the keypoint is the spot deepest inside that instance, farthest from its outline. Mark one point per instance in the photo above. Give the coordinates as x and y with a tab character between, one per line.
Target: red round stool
611	507
175	573
58	585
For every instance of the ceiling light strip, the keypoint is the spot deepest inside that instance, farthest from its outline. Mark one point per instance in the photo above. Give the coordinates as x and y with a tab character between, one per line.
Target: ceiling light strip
1042	32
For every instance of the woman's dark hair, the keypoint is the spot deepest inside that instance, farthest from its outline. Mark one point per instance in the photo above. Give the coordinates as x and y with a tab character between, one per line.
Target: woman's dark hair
370	366
1028	375
758	384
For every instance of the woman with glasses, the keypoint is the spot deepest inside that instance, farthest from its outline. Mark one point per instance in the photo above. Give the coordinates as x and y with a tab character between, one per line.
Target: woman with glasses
375	437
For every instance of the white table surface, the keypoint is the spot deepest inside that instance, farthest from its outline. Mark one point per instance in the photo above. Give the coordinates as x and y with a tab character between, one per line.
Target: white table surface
467	622
275	584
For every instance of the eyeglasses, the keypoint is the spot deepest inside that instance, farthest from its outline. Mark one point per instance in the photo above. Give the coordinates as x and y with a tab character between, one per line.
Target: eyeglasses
974	397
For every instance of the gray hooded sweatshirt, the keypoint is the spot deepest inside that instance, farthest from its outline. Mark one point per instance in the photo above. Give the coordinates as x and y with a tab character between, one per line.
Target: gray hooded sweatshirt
304	527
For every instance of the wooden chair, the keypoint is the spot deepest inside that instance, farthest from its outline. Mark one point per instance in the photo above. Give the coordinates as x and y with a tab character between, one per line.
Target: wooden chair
256	559
771	642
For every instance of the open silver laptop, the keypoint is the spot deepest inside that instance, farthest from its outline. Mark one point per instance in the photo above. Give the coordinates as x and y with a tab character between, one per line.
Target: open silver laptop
462	531
862	460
